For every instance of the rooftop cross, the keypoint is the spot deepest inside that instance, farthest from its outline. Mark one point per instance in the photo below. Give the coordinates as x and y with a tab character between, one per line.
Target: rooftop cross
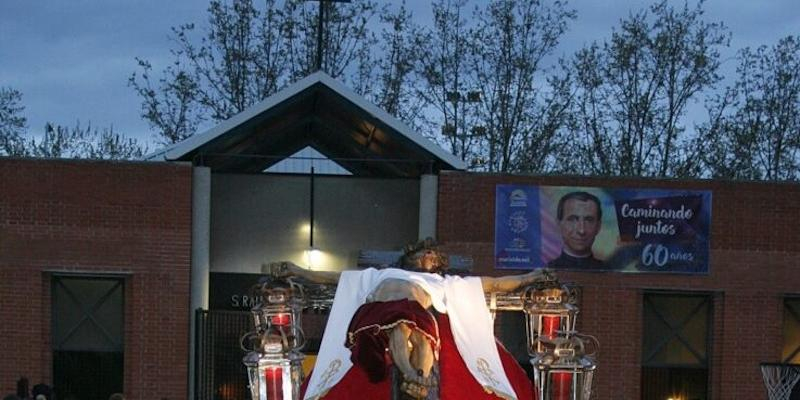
321	22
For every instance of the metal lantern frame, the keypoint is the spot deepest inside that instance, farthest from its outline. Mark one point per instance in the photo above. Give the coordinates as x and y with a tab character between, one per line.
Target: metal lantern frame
562	367
567	372
280	314
542	305
274	358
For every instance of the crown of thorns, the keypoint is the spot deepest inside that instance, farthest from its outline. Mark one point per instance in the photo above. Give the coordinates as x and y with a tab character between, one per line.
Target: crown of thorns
410	254
427	244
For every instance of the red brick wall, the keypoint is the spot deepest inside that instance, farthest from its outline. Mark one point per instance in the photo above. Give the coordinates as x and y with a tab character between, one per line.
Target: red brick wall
755	261
126	218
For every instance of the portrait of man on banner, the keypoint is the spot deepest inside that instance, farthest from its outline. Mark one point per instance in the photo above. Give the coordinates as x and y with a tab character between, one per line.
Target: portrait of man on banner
580	218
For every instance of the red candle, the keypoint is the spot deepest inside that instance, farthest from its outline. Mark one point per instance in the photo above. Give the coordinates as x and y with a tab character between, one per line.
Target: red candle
282	319
562	385
550	325
274	378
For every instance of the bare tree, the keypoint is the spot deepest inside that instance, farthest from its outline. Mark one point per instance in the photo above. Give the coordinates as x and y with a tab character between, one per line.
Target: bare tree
171	107
519	117
446	83
245	55
754	128
632	92
547	145
238	62
107	144
347	39
12	122
60	142
401	42
84	142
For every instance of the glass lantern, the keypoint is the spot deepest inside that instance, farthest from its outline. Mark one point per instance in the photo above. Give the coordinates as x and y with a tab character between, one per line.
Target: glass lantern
280	312
549	313
274	361
274	376
566	372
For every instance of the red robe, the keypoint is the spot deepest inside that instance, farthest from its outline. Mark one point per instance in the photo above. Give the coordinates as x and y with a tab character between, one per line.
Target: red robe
455	382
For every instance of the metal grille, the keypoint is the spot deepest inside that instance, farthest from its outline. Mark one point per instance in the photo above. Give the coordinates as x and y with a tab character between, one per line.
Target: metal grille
220	374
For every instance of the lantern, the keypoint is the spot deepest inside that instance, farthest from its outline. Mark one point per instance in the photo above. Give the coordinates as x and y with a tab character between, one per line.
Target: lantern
274	361
280	315
566	372
562	368
549	312
274	376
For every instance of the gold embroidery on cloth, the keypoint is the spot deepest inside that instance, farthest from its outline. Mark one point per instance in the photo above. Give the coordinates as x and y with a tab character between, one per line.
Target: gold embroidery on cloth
486	372
377	328
325	379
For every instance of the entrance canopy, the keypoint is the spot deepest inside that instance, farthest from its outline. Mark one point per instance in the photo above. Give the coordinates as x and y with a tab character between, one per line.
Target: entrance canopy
321	113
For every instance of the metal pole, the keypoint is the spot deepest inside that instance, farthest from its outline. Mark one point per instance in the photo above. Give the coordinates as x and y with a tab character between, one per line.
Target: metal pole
319	37
311	207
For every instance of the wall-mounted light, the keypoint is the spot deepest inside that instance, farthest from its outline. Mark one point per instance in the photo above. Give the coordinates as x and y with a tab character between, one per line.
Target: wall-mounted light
312	255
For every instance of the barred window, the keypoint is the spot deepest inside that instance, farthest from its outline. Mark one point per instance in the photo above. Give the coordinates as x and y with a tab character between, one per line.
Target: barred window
675	344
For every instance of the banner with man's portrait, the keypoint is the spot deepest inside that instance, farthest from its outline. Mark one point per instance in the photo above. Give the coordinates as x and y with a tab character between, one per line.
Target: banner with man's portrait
602	229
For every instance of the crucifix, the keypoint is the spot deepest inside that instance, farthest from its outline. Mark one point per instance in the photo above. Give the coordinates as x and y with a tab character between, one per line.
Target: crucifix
321	21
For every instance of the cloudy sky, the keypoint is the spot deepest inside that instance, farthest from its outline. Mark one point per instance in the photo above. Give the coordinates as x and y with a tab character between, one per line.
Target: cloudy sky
71	59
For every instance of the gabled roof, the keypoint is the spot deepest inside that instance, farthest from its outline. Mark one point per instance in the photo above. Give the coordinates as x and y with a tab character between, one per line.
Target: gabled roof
320	112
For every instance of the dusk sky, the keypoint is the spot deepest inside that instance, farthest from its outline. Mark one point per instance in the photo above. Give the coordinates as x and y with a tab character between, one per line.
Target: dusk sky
71	59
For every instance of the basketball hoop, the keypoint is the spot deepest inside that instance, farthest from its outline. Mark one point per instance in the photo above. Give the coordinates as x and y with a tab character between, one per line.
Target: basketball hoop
780	379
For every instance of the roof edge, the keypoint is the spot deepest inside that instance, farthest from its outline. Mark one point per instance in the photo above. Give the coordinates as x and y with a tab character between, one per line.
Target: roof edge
181	149
184	147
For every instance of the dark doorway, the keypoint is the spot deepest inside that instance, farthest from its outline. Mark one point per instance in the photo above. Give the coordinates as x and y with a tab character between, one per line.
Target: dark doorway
88	336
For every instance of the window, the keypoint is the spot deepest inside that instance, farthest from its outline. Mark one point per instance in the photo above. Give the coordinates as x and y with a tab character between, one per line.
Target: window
87	336
675	346
791	330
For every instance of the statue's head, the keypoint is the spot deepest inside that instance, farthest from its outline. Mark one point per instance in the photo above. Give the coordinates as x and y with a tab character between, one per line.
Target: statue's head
424	256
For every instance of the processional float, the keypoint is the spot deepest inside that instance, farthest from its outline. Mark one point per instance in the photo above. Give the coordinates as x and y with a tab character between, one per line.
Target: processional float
563	360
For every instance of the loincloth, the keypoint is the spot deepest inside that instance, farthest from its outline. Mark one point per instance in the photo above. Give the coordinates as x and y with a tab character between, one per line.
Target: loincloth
368	333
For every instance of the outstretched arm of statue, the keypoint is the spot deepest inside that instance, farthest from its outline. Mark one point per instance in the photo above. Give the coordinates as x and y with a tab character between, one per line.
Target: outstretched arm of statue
284	269
510	283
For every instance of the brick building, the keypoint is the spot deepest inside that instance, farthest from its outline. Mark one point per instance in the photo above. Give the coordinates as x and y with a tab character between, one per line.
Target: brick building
83	243
751	286
94	276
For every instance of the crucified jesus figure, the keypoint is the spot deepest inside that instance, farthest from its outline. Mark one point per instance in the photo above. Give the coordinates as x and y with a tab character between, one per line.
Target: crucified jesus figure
401	317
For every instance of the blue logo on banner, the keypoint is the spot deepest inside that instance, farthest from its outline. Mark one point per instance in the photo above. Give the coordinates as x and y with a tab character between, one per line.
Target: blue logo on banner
517	229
